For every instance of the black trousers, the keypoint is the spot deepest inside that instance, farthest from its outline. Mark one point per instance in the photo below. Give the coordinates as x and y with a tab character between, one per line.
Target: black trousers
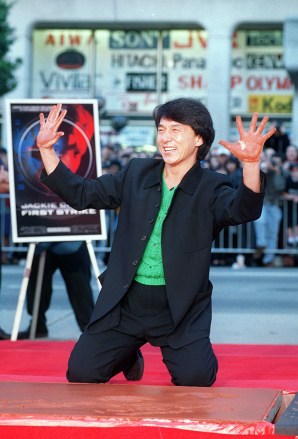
102	353
76	272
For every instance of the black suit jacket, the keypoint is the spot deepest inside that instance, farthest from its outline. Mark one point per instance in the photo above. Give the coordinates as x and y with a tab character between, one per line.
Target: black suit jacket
203	204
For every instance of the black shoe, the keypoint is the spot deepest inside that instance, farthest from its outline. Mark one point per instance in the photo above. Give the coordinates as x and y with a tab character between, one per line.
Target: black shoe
135	372
24	335
4	335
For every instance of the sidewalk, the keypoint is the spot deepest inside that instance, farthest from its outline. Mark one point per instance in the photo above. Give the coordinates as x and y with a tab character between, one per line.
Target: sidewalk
250	306
60	317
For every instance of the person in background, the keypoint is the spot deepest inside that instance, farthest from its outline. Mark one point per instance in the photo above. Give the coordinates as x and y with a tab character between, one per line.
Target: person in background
234	171
4	188
222	157
279	141
110	167
268	225
72	259
291	157
291	194
5	216
156	287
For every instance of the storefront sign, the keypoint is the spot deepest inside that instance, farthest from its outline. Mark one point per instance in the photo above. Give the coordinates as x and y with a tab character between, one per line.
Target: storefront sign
135	70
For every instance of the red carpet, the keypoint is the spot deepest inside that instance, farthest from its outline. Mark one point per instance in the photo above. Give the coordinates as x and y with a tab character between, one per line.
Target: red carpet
240	366
117	433
246	366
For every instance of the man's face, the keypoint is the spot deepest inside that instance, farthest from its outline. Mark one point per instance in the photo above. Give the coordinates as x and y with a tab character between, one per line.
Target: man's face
177	143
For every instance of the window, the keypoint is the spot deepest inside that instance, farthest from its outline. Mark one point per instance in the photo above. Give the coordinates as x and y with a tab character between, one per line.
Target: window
131	71
259	80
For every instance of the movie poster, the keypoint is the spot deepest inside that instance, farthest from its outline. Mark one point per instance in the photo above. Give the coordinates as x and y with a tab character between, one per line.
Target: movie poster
37	213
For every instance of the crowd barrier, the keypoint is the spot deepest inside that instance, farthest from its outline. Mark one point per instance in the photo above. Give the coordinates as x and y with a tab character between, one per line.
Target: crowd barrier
232	240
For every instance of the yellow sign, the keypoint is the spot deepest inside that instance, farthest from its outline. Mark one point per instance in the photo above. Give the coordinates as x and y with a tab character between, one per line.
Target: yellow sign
270	103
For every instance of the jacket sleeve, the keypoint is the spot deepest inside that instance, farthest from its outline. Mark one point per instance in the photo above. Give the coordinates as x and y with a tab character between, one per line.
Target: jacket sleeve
232	207
104	192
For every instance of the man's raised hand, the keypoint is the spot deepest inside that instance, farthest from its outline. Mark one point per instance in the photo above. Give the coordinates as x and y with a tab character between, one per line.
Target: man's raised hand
249	147
48	134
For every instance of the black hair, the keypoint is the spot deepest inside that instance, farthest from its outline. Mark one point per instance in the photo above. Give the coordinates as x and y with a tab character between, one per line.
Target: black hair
189	112
293	165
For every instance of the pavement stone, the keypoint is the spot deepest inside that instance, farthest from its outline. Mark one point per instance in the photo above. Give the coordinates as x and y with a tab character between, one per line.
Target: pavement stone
250	305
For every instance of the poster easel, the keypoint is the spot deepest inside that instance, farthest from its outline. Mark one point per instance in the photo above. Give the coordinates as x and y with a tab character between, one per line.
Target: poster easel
37	214
24	286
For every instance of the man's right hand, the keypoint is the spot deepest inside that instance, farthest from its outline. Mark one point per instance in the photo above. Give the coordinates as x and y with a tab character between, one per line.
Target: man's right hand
48	134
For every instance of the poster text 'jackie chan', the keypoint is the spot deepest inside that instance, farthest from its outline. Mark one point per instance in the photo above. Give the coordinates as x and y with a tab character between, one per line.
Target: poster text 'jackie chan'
45	209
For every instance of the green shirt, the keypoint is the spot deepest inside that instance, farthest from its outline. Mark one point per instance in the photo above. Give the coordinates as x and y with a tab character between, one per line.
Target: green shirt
150	271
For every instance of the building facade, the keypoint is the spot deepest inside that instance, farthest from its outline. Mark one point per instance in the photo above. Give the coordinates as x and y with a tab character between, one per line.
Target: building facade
132	55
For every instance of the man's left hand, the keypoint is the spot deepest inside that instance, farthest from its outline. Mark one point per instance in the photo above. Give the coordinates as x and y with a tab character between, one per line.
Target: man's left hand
249	147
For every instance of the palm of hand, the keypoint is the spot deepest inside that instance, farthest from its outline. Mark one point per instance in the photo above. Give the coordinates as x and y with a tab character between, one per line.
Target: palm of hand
250	145
48	134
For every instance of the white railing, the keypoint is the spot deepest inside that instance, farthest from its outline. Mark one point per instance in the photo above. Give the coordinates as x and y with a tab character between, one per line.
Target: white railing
232	240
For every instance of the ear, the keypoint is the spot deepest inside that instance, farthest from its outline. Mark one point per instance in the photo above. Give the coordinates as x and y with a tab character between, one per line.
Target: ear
199	140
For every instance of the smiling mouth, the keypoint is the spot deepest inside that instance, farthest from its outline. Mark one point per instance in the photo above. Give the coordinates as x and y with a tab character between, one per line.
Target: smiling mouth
169	148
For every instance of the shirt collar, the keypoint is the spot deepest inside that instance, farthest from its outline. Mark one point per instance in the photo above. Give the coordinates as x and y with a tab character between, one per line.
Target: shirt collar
155	176
188	184
191	179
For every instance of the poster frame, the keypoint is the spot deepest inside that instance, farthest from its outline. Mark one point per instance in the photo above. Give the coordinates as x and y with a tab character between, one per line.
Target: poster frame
99	216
